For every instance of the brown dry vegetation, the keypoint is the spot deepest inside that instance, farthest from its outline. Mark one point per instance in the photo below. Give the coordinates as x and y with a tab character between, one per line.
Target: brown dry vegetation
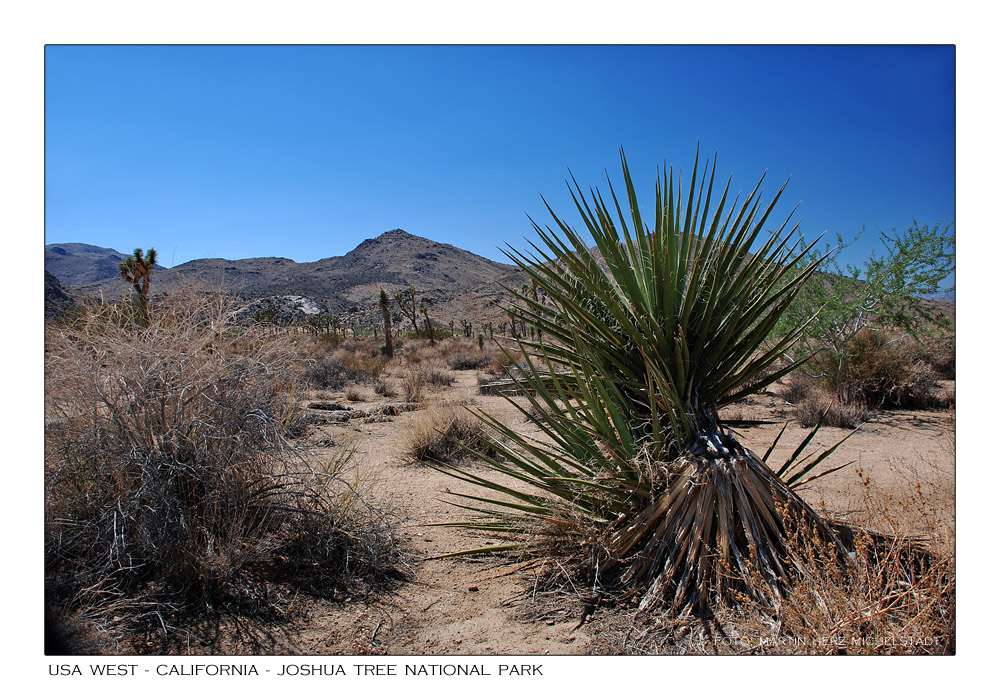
177	494
133	420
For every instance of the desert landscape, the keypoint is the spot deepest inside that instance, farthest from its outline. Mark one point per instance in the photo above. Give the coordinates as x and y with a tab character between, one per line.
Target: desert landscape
346	523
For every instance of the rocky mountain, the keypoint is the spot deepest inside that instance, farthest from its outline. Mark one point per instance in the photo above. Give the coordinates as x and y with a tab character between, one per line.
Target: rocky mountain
79	264
57	300
454	283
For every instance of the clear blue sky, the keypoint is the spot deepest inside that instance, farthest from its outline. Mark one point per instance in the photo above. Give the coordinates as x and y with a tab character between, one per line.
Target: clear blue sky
303	152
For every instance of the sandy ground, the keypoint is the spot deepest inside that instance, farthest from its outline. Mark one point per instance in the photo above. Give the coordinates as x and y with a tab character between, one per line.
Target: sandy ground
461	606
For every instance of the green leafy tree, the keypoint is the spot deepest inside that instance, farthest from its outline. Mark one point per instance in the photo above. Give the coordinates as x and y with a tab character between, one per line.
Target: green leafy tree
645	342
886	292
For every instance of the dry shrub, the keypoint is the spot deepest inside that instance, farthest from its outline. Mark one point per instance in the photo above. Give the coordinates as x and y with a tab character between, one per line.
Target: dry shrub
383	388
172	486
457	353
813	405
445	433
349	362
883	372
415	351
500	362
796	388
893	597
828	411
500	371
939	353
467	360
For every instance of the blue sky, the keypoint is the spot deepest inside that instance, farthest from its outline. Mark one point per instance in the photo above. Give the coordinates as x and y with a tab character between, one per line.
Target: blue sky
303	152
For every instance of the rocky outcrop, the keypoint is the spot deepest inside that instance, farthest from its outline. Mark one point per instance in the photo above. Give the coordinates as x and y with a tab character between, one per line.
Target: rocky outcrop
57	300
285	310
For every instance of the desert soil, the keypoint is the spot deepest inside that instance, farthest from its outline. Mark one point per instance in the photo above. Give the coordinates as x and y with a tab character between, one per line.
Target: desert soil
465	606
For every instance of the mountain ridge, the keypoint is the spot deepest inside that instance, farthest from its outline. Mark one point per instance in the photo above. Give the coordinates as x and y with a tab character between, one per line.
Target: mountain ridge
455	283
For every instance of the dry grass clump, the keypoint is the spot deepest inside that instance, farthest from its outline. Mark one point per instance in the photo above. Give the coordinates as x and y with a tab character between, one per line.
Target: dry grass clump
825	410
412	383
894	599
415	378
172	488
446	433
814	405
437	376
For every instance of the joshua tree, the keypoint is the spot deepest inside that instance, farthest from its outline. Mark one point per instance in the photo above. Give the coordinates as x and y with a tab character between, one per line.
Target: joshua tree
136	270
266	314
427	320
512	316
407	301
383	303
649	339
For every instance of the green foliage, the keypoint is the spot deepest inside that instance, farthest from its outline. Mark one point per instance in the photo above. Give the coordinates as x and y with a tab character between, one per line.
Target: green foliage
645	340
678	320
885	292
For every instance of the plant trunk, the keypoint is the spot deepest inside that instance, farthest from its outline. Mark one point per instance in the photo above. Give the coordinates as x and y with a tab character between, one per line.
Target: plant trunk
387	321
721	523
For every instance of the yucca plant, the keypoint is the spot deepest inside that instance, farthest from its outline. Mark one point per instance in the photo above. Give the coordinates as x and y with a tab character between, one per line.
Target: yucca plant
646	337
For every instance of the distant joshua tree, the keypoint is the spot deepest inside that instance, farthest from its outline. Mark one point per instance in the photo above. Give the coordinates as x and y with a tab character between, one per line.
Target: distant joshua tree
407	301
383	303
136	270
427	320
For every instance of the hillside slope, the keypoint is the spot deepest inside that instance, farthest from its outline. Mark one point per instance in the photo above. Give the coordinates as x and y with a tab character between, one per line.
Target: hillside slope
454	283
